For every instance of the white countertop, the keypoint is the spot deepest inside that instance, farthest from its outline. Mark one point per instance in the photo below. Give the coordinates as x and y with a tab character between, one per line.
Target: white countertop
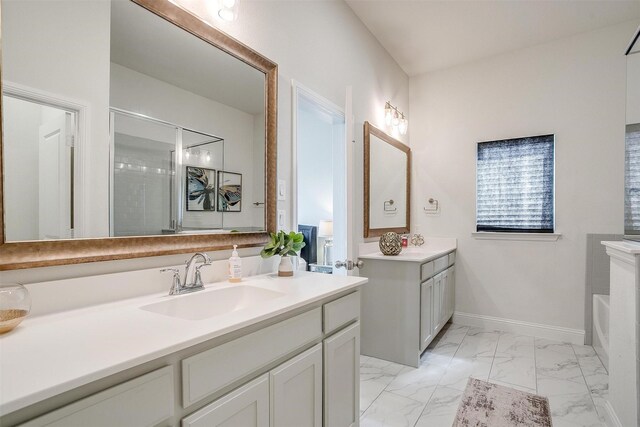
414	253
625	246
49	355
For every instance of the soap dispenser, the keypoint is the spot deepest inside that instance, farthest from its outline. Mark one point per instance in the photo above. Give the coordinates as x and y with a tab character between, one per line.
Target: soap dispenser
235	266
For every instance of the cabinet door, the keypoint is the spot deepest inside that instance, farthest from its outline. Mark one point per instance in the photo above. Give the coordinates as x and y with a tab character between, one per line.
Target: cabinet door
247	406
437	307
452	290
342	378
426	315
444	298
296	391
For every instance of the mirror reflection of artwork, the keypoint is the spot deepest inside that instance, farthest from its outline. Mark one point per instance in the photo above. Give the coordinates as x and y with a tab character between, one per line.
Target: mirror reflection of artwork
229	191
201	185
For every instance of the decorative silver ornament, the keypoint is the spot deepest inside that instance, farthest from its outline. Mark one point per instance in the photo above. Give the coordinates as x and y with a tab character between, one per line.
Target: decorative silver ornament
390	243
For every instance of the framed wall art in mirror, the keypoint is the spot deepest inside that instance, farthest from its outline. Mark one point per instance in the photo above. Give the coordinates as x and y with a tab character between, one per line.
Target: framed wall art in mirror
108	108
387	183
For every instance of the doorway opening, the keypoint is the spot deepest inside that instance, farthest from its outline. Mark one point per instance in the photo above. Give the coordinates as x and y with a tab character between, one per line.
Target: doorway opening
320	180
40	156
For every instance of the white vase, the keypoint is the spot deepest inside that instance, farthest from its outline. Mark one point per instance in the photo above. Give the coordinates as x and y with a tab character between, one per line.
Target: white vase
285	269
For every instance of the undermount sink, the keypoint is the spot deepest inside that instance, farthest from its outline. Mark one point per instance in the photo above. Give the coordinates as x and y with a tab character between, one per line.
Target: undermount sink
210	303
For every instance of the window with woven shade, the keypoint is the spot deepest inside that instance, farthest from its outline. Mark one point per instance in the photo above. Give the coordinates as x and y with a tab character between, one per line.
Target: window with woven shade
515	185
632	180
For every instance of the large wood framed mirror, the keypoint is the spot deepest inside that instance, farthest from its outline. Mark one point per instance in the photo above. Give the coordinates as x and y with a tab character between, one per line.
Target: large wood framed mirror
387	183
130	128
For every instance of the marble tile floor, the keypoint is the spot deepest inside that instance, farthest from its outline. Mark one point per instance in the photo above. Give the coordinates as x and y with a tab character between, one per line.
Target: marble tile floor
571	376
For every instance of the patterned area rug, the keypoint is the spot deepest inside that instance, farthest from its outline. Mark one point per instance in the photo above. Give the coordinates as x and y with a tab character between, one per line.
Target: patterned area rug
490	405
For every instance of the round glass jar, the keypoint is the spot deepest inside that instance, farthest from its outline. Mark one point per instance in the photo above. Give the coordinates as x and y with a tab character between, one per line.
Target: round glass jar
15	304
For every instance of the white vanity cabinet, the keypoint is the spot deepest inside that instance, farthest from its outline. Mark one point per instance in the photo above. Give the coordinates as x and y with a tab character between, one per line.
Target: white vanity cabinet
301	370
406	303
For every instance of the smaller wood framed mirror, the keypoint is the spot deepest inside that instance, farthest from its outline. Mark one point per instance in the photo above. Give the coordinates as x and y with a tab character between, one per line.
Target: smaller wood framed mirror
387	183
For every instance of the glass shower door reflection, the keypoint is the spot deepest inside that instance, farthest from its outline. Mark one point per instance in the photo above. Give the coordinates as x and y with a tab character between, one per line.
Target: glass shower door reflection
143	176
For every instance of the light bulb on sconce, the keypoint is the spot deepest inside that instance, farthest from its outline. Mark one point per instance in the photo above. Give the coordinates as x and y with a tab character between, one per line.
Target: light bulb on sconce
396	119
404	124
187	154
388	115
208	157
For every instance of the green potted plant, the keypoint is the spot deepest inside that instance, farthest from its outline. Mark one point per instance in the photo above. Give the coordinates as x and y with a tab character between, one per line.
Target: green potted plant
285	245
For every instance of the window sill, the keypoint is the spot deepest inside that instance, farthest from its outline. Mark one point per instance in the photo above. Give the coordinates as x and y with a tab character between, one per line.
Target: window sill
533	237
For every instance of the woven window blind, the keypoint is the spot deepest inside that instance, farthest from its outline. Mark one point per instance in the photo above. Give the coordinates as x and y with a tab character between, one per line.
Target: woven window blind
632	180
515	185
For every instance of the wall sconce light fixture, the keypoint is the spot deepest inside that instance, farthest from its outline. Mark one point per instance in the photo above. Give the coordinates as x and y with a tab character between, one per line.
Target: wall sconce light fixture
395	118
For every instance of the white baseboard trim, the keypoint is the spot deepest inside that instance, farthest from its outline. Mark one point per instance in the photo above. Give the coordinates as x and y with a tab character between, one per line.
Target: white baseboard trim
573	336
610	417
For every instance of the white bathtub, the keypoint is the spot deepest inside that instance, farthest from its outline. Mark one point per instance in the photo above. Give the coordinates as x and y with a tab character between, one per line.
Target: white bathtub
601	327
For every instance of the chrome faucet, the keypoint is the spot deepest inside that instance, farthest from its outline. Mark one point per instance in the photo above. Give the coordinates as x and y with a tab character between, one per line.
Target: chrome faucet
178	288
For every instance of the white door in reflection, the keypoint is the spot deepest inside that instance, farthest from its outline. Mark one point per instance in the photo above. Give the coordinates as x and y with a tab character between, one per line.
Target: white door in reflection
322	180
55	176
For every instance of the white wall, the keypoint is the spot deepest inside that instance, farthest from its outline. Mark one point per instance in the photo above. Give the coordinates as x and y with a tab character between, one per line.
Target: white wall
573	88
67	57
325	47
20	144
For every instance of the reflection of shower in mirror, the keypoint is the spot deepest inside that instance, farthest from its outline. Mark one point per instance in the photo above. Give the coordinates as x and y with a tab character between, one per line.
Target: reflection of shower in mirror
156	191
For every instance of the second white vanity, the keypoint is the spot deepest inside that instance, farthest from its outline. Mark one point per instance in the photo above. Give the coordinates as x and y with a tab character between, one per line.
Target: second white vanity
408	299
267	352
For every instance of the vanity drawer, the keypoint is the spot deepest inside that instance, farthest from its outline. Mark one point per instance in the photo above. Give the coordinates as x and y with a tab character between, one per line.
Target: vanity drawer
426	271
341	311
143	401
452	258
209	371
440	263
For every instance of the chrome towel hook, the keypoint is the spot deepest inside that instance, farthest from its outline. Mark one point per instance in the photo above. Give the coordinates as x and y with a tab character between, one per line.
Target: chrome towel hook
432	208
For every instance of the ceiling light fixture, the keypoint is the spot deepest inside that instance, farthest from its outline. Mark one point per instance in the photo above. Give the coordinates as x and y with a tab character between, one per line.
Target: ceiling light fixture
395	119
